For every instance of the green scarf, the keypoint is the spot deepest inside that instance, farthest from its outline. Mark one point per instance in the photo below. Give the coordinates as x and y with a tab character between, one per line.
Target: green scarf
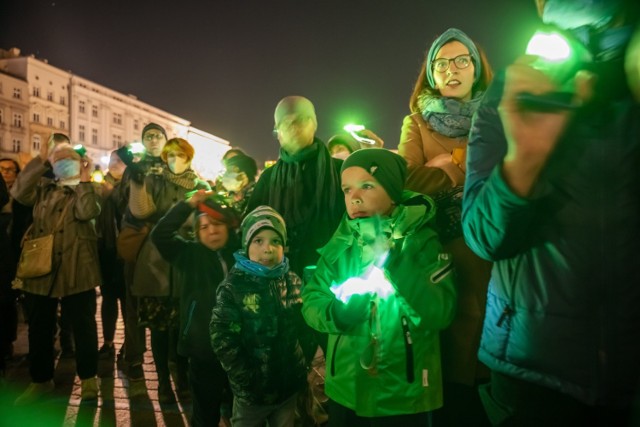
286	193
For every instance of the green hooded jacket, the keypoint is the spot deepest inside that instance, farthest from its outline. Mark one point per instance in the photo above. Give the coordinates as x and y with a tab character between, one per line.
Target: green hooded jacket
388	364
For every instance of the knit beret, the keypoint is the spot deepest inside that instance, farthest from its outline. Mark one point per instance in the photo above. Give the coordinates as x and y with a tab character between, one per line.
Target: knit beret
215	208
388	168
260	218
450	35
155	126
345	140
244	163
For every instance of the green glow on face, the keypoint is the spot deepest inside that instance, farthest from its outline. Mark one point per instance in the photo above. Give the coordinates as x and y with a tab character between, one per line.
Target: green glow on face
549	46
375	283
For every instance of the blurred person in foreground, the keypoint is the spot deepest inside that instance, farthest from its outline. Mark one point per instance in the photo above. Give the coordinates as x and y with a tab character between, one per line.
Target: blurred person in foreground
551	197
452	80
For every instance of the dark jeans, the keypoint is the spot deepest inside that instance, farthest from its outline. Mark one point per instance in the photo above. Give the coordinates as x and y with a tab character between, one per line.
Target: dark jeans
511	402
209	384
81	311
462	407
134	334
8	325
339	416
112	290
161	342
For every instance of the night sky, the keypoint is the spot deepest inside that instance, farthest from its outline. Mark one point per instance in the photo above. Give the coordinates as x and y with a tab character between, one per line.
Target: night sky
224	65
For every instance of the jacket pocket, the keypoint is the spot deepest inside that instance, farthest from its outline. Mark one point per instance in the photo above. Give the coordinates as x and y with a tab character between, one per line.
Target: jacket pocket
408	346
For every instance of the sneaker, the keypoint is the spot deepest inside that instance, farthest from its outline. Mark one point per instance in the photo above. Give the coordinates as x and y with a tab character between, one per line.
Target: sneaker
89	389
165	393
34	392
106	352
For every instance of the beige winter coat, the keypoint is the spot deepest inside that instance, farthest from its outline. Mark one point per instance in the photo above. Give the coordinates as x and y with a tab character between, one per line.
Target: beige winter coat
75	252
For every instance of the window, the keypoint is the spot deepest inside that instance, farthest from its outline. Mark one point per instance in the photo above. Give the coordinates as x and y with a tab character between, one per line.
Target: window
94	110
17	93
50	121
63	100
17	120
36	91
135	125
36	117
62	124
36	142
81	107
1	117
94	136
117	118
81	133
117	140
16	145
49	96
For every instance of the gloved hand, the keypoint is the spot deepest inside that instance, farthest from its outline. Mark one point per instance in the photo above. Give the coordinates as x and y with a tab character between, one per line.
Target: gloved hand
136	173
125	155
354	312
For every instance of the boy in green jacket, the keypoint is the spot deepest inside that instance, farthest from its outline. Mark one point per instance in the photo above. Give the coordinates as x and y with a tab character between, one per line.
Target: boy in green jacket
382	291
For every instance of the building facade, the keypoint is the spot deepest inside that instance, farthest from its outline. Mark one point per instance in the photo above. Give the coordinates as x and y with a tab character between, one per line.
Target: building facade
44	99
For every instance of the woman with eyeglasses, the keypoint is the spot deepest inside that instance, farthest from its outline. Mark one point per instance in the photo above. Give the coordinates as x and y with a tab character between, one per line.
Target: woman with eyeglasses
452	79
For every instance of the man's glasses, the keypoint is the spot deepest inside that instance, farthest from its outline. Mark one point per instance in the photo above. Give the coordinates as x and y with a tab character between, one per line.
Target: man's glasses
7	170
442	64
150	136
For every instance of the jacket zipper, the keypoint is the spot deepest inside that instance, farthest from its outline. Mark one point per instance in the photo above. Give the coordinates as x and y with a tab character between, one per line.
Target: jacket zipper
505	313
192	308
408	346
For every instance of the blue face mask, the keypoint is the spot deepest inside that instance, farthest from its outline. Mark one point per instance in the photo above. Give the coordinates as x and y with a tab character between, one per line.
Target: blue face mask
66	169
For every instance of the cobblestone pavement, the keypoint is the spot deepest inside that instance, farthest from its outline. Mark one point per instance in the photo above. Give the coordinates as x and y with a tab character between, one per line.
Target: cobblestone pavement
64	407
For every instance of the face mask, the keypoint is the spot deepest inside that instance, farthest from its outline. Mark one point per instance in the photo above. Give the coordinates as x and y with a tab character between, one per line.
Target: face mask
66	168
230	182
178	165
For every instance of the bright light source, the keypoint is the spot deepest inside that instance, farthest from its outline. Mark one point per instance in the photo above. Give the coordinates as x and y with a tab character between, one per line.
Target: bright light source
351	127
376	283
137	147
551	47
105	160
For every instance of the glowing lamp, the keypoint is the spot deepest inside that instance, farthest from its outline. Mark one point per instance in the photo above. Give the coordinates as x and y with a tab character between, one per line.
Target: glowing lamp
137	147
353	130
374	283
549	46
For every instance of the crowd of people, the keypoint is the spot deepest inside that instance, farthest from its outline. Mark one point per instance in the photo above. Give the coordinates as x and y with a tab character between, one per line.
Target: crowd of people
482	275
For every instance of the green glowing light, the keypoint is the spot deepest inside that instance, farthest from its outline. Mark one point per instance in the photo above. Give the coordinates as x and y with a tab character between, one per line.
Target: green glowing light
137	147
375	283
353	130
549	46
351	127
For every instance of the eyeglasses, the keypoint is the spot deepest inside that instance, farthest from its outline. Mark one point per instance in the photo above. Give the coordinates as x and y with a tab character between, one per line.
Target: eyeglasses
150	136
442	64
8	170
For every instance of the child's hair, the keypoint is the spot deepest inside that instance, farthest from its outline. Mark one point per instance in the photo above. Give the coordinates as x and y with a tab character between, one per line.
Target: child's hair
260	218
387	167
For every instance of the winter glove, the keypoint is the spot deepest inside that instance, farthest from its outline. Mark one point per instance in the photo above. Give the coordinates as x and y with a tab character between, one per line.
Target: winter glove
125	155
136	173
353	312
